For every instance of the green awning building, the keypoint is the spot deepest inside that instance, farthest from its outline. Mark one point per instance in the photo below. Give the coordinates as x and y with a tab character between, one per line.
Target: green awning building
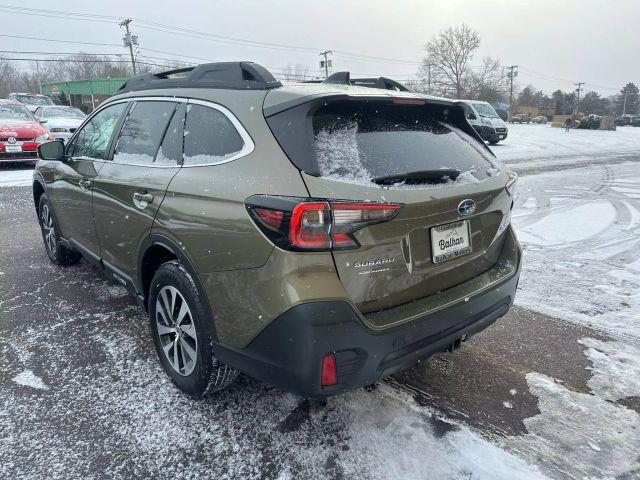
84	94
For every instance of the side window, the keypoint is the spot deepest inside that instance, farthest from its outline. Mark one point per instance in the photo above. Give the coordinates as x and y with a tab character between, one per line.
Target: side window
469	112
142	132
92	140
209	136
170	152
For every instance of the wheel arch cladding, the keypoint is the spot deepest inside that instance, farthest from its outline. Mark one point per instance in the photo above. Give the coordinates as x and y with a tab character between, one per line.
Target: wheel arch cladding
158	249
38	190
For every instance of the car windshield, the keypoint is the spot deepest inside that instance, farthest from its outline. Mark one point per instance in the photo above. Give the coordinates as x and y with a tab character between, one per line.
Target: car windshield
14	112
66	112
34	99
485	110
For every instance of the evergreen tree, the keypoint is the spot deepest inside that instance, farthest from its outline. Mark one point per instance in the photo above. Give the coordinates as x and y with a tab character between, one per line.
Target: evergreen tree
633	99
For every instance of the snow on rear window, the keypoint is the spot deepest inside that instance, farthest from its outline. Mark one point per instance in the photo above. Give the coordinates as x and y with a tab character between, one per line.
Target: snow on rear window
356	144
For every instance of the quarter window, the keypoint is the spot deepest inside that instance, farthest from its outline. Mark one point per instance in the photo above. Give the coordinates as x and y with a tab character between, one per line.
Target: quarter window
170	152
142	132
210	137
92	141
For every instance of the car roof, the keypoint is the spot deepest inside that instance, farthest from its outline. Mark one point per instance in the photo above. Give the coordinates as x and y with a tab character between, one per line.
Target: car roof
28	94
292	94
279	98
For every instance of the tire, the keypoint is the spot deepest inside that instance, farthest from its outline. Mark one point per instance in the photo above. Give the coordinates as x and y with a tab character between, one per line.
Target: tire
185	352
57	252
493	141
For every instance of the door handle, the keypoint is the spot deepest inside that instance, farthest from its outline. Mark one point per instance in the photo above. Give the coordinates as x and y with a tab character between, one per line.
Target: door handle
85	184
143	198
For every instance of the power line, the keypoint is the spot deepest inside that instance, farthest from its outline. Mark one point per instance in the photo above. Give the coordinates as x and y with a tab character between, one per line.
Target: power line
31	52
60	41
67	16
76	60
194	33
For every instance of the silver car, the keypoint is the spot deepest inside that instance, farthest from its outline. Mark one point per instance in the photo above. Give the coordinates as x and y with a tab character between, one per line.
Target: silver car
59	120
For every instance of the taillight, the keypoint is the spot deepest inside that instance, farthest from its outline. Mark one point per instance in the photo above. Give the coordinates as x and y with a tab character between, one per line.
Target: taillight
310	224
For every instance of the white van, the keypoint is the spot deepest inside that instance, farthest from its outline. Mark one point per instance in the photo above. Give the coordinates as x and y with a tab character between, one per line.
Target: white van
484	119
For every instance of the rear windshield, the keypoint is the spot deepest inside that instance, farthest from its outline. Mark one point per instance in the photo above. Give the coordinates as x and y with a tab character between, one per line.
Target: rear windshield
356	142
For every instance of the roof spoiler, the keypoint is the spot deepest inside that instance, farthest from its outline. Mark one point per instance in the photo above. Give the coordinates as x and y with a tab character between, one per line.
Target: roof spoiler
344	78
231	75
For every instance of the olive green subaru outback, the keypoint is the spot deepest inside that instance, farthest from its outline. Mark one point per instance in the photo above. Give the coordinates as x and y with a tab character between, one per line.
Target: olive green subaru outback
317	236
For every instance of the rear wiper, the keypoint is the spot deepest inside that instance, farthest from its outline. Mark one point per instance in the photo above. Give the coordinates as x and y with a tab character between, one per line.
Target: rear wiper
419	177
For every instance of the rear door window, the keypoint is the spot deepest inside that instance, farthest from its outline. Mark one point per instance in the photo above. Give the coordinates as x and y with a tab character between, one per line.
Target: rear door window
210	137
142	132
358	141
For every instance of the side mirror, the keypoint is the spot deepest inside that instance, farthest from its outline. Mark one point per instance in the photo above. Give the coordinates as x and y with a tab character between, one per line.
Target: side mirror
51	150
41	120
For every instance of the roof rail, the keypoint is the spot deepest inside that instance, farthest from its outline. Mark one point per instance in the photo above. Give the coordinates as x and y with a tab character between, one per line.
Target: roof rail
344	78
231	75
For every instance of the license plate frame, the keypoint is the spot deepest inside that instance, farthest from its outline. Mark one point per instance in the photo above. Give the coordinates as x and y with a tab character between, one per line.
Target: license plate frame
12	148
450	232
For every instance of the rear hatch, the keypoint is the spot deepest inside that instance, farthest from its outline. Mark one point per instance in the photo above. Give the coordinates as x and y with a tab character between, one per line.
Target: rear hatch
419	153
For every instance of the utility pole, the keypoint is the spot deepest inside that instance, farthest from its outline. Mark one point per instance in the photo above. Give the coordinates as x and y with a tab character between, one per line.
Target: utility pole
129	41
513	72
40	80
429	78
326	62
579	85
624	104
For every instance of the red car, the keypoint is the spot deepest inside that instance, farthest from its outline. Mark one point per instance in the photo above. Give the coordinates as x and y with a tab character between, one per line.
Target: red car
20	133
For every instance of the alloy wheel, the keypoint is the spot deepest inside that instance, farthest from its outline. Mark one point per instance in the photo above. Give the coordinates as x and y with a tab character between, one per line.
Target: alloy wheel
46	220
176	330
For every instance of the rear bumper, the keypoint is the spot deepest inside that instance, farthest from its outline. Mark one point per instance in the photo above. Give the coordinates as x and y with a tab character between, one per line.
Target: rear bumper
289	351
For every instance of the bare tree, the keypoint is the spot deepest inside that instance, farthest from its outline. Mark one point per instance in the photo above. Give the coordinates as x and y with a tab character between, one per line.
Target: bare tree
447	59
295	74
488	83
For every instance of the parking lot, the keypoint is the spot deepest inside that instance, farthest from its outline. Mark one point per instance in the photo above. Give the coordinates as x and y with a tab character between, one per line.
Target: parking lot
552	389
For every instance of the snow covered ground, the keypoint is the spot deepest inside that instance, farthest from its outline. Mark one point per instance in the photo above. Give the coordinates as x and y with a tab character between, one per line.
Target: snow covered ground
78	363
580	229
16	178
532	145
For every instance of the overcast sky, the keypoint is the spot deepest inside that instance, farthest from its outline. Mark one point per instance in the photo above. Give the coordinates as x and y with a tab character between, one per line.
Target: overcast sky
555	42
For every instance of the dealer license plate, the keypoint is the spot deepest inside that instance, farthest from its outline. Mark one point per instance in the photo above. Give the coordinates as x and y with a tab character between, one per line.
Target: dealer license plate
450	241
12	148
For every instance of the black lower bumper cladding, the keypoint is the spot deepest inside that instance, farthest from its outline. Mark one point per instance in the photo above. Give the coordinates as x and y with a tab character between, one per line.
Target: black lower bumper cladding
288	353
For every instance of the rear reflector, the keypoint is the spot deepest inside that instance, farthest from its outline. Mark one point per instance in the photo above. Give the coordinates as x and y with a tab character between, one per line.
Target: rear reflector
329	373
316	225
